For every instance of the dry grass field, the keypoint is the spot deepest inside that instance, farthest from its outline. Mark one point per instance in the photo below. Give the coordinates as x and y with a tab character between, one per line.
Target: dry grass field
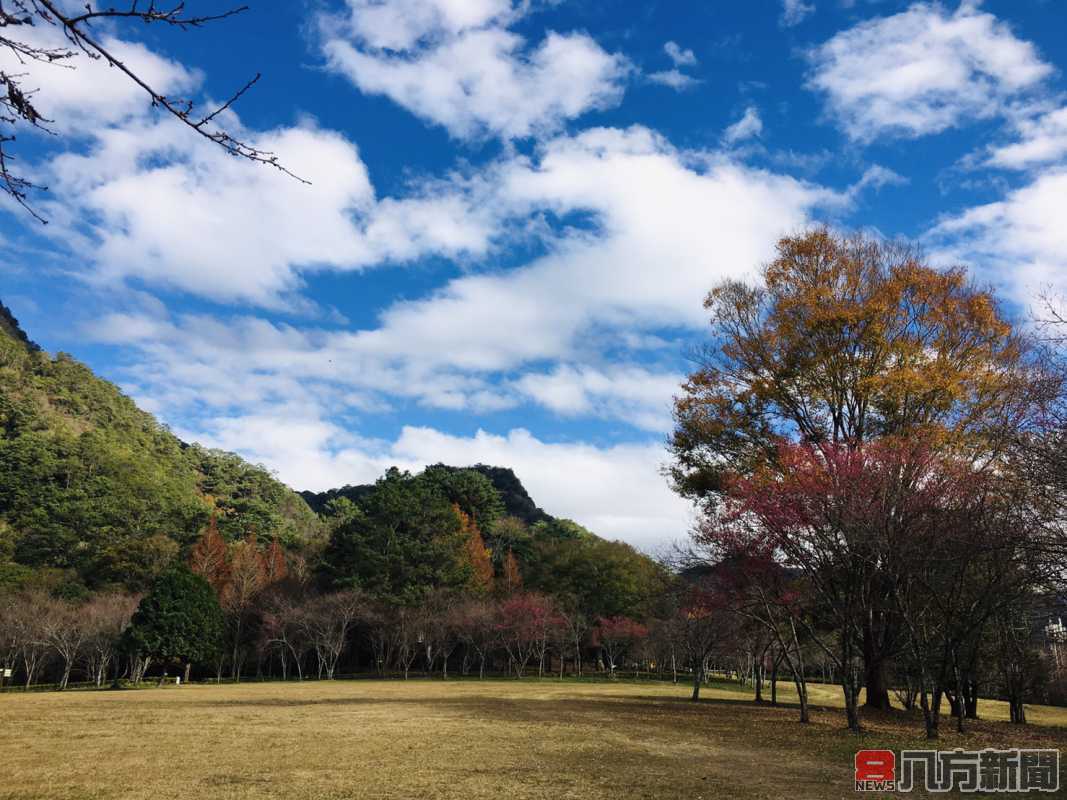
461	739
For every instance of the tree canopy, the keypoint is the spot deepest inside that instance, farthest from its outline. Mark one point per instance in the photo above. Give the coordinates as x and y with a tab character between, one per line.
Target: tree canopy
846	339
178	620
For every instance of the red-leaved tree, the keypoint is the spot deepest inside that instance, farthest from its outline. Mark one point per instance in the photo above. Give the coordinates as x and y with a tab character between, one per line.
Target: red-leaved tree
616	636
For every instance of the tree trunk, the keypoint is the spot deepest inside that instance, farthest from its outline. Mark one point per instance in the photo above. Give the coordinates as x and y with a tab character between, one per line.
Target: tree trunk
697	676
188	670
929	715
970	698
802	694
874	679
851	691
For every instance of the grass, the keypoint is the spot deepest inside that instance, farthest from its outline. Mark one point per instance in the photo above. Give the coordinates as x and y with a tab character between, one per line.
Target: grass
458	739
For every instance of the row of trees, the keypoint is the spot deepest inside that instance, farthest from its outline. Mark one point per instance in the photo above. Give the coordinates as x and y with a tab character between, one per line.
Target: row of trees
867	441
39	634
180	622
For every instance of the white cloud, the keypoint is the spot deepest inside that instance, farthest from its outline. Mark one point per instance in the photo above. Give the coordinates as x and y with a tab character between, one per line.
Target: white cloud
923	71
403	24
459	66
680	56
673	78
663	227
632	393
1042	140
1018	243
145	200
659	227
159	205
794	12
876	177
749	126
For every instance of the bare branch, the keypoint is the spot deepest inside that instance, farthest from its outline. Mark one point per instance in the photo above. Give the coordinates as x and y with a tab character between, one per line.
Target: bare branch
16	106
152	14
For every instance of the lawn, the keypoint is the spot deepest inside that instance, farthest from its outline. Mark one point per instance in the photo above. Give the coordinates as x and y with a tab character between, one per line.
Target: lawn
456	739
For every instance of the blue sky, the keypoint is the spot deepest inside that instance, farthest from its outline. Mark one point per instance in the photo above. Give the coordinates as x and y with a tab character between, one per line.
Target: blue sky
514	213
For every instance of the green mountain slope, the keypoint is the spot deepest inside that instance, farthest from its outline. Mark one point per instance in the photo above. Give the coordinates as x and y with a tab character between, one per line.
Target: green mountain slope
96	492
517	501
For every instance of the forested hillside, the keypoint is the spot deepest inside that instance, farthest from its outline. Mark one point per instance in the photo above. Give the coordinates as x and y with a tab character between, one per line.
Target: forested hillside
95	492
517	501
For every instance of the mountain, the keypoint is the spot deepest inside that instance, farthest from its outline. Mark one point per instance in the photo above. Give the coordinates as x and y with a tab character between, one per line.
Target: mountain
95	492
9	326
517	501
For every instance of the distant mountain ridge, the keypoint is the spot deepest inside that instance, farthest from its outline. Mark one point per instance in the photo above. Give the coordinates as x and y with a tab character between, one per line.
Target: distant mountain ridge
517	501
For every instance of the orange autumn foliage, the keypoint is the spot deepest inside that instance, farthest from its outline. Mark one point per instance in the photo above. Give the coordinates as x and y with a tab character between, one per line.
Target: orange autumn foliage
209	557
481	563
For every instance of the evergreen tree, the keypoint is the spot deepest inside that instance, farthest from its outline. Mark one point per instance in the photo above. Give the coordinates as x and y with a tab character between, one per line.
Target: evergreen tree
178	620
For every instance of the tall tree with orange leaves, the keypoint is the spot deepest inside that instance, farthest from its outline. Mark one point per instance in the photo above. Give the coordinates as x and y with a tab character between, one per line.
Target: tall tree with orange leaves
481	579
210	558
845	340
248	578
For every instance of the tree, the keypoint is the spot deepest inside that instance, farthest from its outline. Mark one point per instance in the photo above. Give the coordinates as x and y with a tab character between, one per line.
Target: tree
511	575
329	620
106	618
406	628
65	629
510	535
940	537
616	636
437	629
480	560
475	621
762	591
575	627
472	492
521	624
246	581
178	620
275	565
703	628
69	36
285	629
603	579
24	626
210	558
407	541
845	340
